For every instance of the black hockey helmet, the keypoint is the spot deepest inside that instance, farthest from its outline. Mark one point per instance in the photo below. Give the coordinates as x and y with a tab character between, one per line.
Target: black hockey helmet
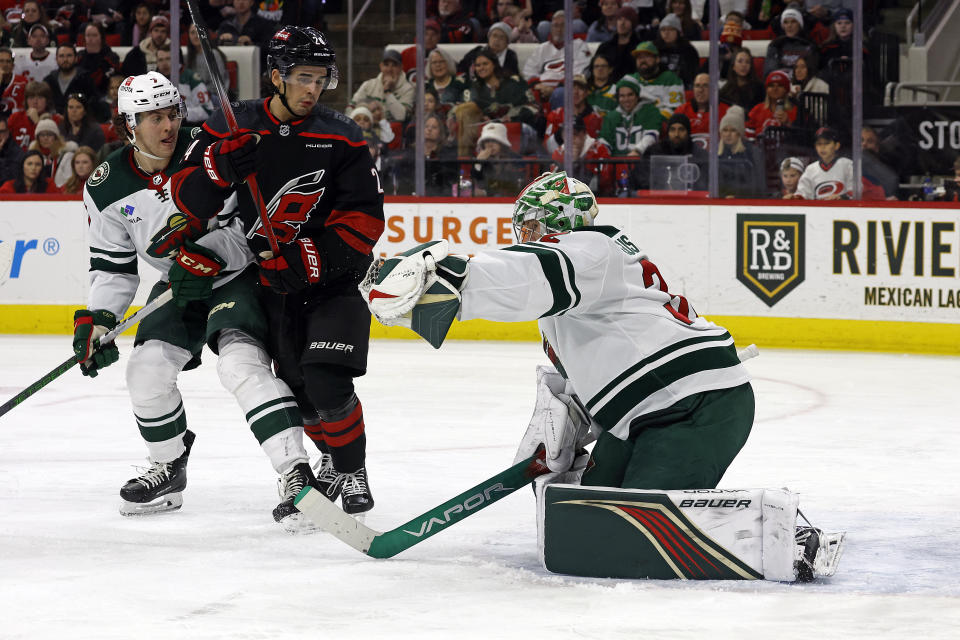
293	45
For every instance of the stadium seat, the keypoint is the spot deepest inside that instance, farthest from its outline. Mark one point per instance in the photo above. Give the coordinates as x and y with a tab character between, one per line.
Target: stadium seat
232	74
515	134
759	34
397	141
114	39
758	67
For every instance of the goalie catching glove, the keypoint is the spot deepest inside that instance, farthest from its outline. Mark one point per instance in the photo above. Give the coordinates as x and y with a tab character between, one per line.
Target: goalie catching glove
559	422
418	289
88	328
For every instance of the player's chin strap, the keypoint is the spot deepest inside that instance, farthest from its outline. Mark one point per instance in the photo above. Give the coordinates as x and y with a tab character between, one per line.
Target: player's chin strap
132	138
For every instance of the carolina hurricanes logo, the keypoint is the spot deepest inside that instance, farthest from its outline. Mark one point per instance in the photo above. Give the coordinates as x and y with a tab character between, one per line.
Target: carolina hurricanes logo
292	206
830	188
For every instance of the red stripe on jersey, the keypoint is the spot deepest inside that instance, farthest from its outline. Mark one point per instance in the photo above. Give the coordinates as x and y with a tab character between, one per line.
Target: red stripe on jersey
331	136
229	134
365	227
175	181
343	432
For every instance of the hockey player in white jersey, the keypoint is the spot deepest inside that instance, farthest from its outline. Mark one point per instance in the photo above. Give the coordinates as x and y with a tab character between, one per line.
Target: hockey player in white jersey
133	216
829	178
633	363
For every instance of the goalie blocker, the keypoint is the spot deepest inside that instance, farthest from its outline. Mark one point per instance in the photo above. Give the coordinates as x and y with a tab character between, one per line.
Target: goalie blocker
710	534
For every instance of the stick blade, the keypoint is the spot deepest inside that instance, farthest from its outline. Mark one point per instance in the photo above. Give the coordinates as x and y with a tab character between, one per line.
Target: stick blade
334	521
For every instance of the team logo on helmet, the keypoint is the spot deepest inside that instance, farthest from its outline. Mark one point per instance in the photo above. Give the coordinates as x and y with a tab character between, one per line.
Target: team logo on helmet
283	34
99	175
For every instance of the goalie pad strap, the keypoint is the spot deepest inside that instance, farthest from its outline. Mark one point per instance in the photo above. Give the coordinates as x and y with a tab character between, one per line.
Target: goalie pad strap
745	534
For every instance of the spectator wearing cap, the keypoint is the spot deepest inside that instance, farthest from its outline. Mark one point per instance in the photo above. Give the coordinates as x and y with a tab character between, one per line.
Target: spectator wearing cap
496	171
830	177
677	142
32	14
544	69
690	28
39	103
431	37
676	53
776	110
442	79
143	57
57	152
619	48
740	167
663	85
790	171
635	124
742	87
581	110
391	88
697	110
79	126
455	25
41	61
68	79
498	41
96	58
784	51
602	94
589	160
604	27
839	46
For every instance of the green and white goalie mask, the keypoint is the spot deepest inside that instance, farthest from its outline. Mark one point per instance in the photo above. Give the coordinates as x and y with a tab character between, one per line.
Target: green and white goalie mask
553	202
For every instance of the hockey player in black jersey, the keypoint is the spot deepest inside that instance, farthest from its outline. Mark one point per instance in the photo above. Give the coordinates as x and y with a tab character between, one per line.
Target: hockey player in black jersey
323	198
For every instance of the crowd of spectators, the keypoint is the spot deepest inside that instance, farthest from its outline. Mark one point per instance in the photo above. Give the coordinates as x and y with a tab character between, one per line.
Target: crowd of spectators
641	95
58	94
492	120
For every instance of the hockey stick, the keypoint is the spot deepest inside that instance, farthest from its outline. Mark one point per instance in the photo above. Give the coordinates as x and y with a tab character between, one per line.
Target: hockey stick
231	118
386	544
66	365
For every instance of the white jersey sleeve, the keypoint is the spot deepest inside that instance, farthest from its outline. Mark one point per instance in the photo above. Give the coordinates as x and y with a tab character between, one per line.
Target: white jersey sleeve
113	261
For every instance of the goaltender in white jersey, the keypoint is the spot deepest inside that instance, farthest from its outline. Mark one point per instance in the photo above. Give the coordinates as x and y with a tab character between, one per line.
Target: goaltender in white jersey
633	363
134	217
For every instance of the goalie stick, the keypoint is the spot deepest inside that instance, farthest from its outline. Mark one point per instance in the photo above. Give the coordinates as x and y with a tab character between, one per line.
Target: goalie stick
66	365
230	117
386	544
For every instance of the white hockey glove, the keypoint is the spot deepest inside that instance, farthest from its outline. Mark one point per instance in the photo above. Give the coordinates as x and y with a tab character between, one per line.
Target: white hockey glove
392	289
558	422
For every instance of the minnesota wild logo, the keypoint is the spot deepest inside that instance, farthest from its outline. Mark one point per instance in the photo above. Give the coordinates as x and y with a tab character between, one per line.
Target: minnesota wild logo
169	238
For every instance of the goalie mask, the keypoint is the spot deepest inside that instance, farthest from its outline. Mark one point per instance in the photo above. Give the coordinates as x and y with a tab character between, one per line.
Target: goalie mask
557	203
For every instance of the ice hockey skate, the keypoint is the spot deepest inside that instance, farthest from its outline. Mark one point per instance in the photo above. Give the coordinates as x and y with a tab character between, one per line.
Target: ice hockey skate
818	553
289	485
160	488
329	480
355	493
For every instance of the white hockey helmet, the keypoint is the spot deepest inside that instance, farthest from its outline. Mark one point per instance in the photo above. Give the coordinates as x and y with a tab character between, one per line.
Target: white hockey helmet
147	92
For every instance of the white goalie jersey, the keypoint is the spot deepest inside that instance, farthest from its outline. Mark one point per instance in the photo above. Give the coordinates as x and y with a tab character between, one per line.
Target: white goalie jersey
129	213
609	324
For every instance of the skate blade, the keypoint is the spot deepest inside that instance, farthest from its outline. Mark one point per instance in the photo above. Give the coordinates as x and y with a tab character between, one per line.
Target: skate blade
828	556
163	504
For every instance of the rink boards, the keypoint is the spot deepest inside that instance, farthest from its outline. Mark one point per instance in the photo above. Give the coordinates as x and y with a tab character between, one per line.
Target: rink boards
810	276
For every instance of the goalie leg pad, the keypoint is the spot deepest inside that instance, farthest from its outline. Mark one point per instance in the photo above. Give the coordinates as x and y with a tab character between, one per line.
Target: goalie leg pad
689	535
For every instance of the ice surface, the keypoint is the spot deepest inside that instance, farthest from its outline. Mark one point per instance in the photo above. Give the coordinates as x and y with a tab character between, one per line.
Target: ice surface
870	441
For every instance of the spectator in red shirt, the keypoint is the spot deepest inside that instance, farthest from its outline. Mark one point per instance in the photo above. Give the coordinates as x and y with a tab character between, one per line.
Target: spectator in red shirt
455	25
431	36
581	110
30	178
776	110
12	86
698	111
39	102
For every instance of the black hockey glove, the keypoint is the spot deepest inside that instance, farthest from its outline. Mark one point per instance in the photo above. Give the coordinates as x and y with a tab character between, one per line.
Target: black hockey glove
230	161
193	272
296	268
88	328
